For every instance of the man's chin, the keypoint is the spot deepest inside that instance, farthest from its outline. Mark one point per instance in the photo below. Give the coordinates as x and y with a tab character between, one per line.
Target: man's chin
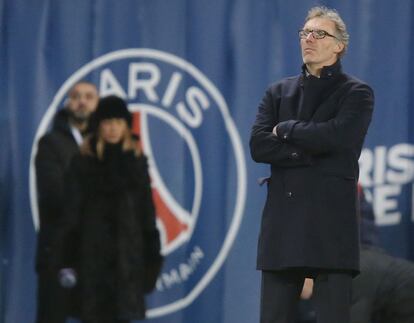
77	118
307	59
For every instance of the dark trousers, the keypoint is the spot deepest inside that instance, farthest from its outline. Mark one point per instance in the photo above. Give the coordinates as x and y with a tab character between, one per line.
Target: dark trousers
280	293
52	299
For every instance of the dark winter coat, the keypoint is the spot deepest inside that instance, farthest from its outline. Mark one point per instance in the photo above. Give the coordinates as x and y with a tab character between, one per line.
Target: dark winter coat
310	216
55	151
109	234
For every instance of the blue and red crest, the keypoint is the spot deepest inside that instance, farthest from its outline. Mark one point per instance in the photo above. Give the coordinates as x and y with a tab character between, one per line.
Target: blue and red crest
196	163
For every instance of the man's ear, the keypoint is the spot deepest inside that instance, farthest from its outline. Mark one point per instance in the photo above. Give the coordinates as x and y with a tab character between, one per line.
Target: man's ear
340	47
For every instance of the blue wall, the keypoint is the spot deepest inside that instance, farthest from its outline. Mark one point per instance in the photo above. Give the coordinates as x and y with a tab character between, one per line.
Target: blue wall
227	52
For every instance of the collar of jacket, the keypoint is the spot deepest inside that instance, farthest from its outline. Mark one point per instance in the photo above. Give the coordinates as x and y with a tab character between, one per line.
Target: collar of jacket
61	121
327	71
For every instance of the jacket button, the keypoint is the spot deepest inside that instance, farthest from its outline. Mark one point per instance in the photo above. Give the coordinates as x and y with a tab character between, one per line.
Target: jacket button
295	155
289	194
285	136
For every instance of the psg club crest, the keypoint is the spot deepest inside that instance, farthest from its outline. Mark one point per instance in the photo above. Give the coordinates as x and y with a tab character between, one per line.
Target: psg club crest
196	163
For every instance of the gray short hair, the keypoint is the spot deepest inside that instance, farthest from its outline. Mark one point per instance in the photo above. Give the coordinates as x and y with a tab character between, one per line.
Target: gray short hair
332	15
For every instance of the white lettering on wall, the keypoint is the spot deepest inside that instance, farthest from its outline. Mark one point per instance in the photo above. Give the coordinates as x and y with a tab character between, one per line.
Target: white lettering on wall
384	171
182	273
145	78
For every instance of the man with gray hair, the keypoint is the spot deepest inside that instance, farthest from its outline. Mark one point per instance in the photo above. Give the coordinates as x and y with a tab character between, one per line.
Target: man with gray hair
310	129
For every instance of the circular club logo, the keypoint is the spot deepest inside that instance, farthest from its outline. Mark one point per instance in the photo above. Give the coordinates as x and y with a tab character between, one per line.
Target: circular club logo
196	163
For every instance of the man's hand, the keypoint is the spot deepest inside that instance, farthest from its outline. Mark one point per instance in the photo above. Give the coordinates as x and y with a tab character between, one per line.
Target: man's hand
307	289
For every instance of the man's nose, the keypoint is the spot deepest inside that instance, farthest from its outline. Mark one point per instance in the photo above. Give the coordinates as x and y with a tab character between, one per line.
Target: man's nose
310	37
82	100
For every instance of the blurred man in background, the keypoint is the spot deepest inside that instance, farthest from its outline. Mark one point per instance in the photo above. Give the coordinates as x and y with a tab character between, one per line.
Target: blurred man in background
55	151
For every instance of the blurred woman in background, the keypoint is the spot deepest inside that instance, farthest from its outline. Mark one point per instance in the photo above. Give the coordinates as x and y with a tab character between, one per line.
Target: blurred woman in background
109	235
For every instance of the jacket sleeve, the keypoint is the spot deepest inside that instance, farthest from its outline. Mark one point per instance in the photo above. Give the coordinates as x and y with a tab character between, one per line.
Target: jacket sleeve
67	230
345	131
49	173
266	147
150	228
152	252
